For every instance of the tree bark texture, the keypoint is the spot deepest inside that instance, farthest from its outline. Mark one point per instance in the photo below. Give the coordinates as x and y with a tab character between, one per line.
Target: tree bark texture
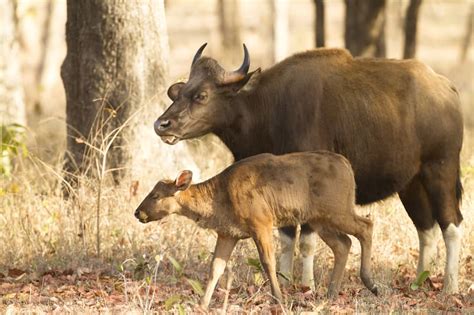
12	102
45	39
229	24
467	40
114	67
281	32
319	23
411	22
365	27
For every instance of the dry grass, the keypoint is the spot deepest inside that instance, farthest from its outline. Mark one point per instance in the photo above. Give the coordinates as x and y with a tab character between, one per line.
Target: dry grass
51	239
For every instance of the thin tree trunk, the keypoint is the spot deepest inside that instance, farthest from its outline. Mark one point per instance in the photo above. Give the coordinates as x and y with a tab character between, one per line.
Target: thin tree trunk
266	31
365	27
411	22
12	102
229	17
320	30
281	29
44	52
466	43
114	67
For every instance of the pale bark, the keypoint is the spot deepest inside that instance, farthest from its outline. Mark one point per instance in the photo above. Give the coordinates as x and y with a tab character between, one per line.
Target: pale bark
12	104
229	24
114	68
365	27
44	48
281	29
467	40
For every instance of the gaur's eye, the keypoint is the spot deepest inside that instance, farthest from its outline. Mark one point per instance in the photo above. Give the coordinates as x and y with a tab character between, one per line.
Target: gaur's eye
201	97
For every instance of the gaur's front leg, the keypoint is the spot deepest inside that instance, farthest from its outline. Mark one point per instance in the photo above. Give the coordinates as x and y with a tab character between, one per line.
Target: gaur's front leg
222	252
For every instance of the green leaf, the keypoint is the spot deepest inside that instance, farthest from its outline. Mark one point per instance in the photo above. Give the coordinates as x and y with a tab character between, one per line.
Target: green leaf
258	278
420	280
283	276
255	263
181	310
13	143
172	300
177	266
196	286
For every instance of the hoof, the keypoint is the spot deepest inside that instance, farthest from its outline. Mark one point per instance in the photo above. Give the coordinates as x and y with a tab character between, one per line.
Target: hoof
375	290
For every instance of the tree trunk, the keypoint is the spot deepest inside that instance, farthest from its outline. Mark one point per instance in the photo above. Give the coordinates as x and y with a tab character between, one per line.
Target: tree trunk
319	16
114	67
466	43
365	27
12	103
45	38
411	21
229	17
280	29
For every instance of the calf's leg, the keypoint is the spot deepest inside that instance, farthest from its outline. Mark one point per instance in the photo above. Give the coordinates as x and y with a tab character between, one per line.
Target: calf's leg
222	252
361	228
364	234
340	245
264	241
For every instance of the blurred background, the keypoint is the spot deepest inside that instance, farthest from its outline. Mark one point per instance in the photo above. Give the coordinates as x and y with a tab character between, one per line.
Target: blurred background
41	230
271	30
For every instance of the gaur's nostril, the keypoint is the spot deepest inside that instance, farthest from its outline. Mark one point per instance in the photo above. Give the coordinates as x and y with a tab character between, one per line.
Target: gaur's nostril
137	213
163	124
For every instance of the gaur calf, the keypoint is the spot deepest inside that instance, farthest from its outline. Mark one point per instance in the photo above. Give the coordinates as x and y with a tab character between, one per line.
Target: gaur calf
258	193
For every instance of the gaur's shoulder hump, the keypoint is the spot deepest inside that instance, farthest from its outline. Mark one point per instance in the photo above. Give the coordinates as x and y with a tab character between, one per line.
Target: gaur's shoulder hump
333	53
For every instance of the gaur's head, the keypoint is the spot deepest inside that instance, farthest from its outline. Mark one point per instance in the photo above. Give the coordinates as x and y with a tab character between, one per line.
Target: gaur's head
204	103
161	202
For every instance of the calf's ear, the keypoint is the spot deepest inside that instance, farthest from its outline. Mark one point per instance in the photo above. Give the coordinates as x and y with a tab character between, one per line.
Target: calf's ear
173	91
183	180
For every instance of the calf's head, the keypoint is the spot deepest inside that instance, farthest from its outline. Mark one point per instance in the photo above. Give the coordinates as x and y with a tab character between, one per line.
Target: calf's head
204	103
161	201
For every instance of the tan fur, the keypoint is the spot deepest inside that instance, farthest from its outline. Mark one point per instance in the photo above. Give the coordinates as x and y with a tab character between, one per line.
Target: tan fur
256	194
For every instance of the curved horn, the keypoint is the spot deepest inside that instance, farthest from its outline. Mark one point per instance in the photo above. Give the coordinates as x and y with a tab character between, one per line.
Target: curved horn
239	74
198	53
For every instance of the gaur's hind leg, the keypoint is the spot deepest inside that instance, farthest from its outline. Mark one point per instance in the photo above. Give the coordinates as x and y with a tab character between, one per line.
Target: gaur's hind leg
417	204
287	242
340	245
307	249
441	181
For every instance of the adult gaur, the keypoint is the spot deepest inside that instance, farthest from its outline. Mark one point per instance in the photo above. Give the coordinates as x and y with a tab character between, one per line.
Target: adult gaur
397	122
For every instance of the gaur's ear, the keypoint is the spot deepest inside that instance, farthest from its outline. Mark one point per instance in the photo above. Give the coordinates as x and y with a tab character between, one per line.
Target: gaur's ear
183	180
173	90
248	82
